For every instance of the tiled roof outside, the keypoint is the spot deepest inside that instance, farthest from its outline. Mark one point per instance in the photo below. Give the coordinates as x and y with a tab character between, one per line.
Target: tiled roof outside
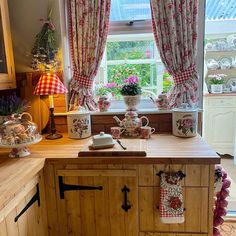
140	9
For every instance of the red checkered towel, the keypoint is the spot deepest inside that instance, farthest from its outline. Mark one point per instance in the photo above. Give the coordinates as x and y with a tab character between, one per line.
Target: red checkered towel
171	199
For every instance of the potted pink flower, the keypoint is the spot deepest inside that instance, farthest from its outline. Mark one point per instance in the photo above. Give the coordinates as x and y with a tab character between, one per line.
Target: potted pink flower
216	82
131	92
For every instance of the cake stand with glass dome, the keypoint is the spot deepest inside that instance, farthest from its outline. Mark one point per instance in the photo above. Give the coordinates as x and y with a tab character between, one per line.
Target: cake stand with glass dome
18	133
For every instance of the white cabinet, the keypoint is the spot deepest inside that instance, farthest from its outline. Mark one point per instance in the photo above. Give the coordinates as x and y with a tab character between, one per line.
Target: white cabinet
7	71
220	122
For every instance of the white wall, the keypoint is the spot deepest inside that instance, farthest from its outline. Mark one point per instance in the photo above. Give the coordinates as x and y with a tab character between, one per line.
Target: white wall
25	21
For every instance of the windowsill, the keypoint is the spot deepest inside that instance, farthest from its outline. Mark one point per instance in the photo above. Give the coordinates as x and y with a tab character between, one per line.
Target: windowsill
118	108
122	112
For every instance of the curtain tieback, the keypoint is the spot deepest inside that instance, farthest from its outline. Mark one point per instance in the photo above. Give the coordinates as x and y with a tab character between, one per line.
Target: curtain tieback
83	80
184	75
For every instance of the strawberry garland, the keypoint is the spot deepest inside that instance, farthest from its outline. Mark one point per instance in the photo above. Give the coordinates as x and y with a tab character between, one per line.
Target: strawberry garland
222	183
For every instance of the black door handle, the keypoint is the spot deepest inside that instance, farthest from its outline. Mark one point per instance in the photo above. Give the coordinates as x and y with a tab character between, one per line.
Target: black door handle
69	187
126	205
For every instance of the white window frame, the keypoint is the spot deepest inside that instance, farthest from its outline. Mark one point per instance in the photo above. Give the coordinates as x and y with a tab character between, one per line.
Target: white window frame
138	27
102	73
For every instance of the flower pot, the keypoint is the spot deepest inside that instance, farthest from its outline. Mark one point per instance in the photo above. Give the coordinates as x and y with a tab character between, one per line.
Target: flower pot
217	88
132	102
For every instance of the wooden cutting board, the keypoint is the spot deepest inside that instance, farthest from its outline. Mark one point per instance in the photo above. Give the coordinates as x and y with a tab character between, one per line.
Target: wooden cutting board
135	147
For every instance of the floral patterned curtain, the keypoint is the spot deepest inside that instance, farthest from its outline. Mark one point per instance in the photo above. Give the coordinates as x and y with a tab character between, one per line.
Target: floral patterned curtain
88	28
175	29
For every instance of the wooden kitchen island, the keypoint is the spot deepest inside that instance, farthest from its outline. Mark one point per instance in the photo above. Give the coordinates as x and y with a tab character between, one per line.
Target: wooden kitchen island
99	209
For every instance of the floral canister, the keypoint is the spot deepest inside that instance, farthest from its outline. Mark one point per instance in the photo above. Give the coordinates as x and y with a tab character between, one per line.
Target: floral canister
184	121
79	124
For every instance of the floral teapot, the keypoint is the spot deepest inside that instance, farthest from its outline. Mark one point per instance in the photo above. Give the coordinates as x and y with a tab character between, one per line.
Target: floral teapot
131	123
162	101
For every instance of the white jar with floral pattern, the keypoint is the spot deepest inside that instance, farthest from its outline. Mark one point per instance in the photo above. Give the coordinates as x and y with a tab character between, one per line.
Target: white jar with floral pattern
184	121
79	124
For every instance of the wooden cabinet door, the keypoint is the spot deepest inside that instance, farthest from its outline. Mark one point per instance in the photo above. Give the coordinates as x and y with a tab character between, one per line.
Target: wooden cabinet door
220	129
7	70
196	214
33	222
98	212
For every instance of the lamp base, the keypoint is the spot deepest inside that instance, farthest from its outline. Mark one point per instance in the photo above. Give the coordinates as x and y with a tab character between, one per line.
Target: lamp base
53	136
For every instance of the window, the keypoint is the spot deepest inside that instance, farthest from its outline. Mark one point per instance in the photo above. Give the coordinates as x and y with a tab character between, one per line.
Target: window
131	43
134	55
131	50
128	10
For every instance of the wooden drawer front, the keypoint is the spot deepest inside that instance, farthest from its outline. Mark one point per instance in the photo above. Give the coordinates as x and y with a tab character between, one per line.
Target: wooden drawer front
167	234
196	214
196	175
222	102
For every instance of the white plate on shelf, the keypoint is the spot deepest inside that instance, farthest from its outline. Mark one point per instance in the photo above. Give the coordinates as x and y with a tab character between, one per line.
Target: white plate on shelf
232	84
231	39
212	64
225	63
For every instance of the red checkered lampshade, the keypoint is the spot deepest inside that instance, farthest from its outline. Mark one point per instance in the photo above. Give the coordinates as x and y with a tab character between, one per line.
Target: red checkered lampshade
49	84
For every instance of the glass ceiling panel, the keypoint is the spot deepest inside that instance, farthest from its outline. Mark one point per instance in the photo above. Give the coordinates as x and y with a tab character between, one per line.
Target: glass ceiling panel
125	10
220	9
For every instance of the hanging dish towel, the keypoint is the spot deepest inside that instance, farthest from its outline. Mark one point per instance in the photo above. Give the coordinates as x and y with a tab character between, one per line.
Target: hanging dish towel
171	198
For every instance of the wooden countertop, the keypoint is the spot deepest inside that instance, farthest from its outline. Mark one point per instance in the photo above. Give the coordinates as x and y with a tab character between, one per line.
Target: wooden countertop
14	174
161	148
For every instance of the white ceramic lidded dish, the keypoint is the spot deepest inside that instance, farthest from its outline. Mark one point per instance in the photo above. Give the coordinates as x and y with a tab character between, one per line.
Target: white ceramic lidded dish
102	140
184	121
79	124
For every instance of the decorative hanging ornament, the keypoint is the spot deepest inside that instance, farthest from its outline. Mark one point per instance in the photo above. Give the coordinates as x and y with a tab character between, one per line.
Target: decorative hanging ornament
44	51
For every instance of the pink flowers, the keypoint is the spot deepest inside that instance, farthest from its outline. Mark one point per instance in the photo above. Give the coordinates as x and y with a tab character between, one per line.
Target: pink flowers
111	85
131	80
188	123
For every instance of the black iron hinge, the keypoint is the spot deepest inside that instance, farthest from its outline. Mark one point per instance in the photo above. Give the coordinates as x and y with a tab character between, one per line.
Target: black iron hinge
69	187
35	198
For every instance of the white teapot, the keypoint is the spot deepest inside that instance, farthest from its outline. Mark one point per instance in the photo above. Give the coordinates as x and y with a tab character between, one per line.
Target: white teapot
131	123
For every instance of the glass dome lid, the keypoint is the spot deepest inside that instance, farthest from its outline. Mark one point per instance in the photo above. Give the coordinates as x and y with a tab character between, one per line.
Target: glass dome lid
19	131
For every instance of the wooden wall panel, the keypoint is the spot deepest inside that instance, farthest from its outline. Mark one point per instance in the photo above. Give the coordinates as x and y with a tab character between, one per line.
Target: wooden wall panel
161	122
196	175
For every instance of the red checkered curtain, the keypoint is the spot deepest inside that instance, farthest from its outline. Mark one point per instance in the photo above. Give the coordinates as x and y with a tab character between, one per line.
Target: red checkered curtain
175	29
88	28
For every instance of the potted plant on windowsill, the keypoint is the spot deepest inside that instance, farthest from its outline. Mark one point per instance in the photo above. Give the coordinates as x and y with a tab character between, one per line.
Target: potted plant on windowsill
131	92
10	105
216	82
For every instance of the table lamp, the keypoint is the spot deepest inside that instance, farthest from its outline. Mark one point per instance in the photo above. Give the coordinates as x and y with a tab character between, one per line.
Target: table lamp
49	84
